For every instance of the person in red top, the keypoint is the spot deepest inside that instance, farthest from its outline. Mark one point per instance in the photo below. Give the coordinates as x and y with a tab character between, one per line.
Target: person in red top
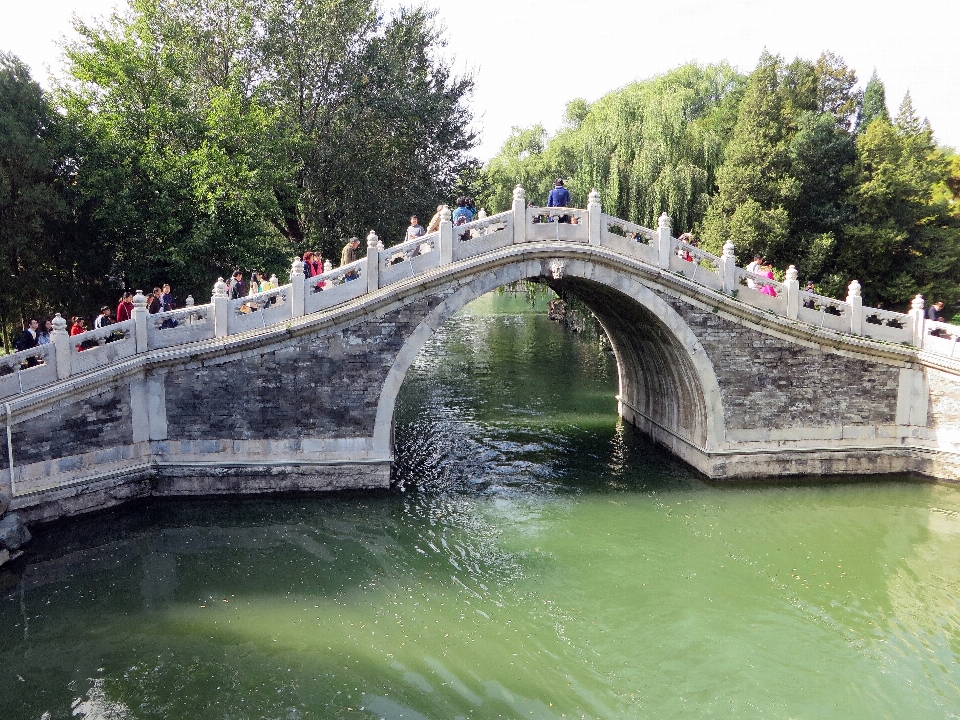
79	326
125	308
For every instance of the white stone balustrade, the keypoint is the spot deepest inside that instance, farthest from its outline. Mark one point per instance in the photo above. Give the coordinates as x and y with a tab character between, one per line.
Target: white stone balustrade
487	234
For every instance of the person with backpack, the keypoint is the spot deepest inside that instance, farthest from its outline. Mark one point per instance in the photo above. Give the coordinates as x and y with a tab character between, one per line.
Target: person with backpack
463	214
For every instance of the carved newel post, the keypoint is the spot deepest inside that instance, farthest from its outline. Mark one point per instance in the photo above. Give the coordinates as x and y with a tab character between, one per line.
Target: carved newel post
60	339
856	307
916	320
140	320
593	217
520	219
664	241
298	288
728	267
373	262
221	308
446	236
791	287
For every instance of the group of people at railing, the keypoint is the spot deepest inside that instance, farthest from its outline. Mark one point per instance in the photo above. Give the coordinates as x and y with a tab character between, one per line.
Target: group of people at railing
757	275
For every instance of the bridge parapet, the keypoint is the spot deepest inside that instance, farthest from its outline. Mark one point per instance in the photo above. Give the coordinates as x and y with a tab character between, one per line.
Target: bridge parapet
222	317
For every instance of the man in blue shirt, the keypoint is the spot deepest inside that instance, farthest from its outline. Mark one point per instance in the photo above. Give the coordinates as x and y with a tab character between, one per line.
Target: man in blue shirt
559	197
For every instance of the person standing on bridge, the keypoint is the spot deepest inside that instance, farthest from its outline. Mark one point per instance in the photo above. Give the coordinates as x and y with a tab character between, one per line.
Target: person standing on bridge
237	287
349	253
125	308
415	229
434	225
559	197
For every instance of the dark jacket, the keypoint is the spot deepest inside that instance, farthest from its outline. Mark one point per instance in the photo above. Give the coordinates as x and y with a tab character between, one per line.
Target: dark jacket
559	197
238	289
24	341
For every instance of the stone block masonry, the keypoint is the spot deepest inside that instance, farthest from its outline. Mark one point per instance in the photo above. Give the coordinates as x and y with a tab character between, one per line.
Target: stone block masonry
305	406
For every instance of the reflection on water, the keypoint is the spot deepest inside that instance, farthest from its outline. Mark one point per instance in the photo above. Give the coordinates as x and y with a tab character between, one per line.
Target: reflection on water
535	559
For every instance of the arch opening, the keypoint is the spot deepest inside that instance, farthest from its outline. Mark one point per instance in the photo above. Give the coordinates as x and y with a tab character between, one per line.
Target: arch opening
667	385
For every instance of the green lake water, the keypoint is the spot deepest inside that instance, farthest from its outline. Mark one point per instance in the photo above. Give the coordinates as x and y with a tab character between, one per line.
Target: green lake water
535	559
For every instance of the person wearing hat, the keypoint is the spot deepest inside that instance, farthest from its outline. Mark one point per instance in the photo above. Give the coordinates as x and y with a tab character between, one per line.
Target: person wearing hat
349	253
103	319
559	197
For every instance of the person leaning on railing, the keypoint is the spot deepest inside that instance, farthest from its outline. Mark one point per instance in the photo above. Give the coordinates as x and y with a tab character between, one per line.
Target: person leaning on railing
935	314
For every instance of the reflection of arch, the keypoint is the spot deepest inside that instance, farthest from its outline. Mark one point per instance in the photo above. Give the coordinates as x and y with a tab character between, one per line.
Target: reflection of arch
668	386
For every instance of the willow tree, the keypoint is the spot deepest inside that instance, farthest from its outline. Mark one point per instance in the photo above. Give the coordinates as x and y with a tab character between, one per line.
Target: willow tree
650	147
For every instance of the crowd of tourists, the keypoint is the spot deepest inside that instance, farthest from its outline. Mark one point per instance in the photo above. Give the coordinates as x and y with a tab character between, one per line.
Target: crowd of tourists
37	332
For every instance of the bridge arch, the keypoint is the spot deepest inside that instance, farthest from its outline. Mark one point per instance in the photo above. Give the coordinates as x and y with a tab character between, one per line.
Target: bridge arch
667	384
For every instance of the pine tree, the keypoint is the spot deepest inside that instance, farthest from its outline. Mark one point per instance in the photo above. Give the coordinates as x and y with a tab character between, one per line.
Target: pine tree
873	105
749	207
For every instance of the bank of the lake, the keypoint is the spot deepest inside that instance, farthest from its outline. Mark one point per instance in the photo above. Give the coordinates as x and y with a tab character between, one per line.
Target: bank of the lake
536	559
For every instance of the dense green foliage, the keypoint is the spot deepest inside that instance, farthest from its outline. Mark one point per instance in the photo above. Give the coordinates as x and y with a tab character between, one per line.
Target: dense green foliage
202	135
189	137
650	147
792	162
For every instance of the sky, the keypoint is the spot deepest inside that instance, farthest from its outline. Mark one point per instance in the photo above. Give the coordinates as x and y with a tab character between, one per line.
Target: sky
530	57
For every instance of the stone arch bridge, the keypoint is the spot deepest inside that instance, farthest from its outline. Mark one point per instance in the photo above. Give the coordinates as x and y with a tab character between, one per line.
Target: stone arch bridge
294	389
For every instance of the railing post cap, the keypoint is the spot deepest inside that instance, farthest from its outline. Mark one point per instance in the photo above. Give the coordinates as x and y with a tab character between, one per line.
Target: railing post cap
189	301
59	324
792	273
297	267
594	197
219	288
917	303
139	300
519	194
664	223
372	239
729	249
445	214
274	280
853	289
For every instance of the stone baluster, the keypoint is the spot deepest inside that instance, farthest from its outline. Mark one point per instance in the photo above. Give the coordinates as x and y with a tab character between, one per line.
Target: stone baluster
664	241
140	320
189	302
221	308
916	320
298	289
60	339
855	302
728	267
446	236
373	262
519	215
791	293
593	217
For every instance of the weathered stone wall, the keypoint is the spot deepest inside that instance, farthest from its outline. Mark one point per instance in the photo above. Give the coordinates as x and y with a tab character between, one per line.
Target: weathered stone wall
770	382
75	426
326	386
